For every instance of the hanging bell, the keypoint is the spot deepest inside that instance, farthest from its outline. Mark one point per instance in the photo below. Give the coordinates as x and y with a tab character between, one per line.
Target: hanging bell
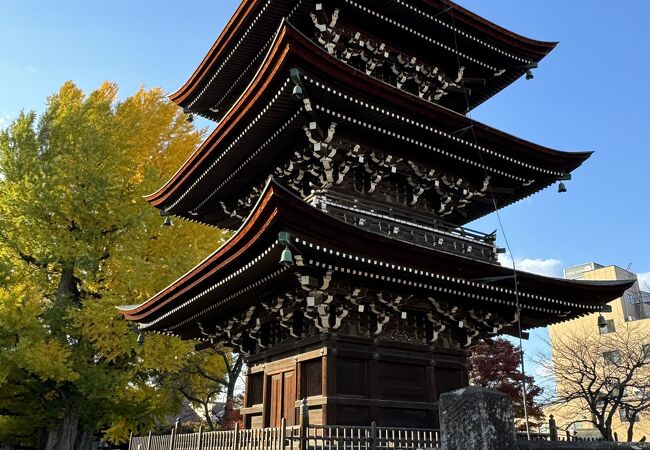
297	92
190	117
529	75
561	187
286	259
140	340
602	323
167	222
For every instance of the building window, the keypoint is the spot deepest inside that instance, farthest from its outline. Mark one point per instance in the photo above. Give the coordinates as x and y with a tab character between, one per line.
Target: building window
646	351
612	357
610	328
624	415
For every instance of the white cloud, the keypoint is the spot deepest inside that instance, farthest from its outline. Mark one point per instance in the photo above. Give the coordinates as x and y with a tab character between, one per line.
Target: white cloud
542	371
644	281
549	267
4	120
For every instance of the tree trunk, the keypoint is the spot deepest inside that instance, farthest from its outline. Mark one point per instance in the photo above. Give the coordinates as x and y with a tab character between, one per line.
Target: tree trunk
41	438
233	376
84	440
630	428
67	286
65	435
208	419
605	431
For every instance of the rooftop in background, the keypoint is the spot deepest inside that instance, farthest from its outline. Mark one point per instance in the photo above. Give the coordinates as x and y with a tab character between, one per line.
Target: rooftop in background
634	304
577	272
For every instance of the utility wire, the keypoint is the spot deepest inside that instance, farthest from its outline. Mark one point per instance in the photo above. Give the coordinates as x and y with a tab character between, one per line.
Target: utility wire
503	232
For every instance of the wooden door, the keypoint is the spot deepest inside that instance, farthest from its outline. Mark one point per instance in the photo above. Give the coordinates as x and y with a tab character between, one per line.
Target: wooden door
289	403
283	399
276	401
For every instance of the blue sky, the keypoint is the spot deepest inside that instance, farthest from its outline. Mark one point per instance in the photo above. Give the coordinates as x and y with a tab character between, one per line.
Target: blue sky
590	93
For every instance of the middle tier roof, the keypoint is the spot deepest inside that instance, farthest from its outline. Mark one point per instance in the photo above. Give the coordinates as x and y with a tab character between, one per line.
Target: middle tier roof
345	118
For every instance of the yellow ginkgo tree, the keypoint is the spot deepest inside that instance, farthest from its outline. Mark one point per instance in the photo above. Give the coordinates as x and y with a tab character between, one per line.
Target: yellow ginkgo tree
76	239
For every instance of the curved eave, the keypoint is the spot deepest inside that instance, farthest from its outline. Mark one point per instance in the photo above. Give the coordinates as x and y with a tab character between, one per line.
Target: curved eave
508	37
262	216
290	44
235	28
220	46
280	208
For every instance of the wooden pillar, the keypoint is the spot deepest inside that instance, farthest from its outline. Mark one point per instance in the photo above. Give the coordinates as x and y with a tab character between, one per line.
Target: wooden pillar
237	437
246	417
299	392
303	424
328	383
266	395
372	373
149	440
552	428
431	391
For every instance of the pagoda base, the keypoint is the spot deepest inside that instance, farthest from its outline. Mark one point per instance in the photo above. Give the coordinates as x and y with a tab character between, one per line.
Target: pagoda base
351	380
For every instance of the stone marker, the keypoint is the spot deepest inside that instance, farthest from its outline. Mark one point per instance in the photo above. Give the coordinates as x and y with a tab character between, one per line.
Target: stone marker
475	418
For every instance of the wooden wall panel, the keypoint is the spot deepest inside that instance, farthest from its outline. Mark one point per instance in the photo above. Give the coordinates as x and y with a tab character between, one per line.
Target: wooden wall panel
353	415
448	379
257	422
255	389
402	382
311	377
351	377
399	417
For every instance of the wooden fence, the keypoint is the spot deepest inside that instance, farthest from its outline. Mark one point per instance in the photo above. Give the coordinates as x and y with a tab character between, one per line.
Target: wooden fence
308	437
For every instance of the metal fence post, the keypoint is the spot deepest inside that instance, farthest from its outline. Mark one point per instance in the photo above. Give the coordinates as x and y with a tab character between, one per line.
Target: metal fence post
199	444
373	435
149	441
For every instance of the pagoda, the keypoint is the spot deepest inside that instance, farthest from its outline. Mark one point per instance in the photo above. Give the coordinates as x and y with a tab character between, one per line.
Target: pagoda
344	158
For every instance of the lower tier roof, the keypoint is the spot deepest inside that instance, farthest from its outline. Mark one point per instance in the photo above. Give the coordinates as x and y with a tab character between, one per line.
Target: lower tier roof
332	257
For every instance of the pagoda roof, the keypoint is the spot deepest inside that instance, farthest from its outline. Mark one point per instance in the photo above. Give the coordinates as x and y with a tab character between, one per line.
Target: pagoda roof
265	120
246	268
460	35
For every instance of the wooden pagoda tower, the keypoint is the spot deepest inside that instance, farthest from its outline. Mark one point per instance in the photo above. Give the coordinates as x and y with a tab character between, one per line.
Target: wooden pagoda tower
344	158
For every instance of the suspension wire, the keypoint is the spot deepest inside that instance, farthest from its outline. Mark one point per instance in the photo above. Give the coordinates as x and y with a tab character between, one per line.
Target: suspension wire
503	232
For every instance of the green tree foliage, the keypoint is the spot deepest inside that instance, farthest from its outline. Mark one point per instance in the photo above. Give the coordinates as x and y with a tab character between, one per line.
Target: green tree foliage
76	239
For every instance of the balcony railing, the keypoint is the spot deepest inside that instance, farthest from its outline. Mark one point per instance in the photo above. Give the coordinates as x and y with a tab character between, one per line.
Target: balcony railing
410	226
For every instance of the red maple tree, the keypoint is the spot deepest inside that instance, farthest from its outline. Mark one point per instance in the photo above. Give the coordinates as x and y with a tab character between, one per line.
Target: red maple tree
495	365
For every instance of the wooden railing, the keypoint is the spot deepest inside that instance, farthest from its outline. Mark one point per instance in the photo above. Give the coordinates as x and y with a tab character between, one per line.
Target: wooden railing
308	437
335	437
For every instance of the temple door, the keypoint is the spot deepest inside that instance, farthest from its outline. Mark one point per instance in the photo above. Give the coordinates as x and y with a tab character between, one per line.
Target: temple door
276	400
289	387
283	399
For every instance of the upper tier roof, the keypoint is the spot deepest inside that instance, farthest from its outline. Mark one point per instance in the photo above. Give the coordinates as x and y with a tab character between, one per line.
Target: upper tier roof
246	270
438	31
265	125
